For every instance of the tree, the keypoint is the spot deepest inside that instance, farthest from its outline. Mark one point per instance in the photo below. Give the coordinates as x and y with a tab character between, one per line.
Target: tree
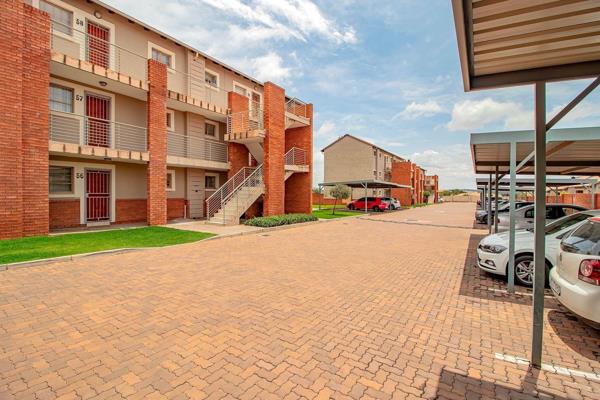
426	195
339	192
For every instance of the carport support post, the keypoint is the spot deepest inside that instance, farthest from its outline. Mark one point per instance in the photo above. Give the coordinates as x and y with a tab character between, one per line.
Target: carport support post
495	221
489	205
366	196
539	257
593	196
511	229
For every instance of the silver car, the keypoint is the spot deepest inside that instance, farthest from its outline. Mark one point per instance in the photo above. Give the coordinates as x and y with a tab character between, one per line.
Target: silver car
393	203
524	217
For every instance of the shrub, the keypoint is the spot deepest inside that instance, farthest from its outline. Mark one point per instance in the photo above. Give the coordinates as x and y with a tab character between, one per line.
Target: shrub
277	220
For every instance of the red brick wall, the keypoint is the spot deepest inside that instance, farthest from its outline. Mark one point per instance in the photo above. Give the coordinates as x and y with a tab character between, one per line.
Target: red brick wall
157	143
238	153
175	208
274	146
24	76
64	213
130	210
36	79
401	174
580	199
320	199
298	187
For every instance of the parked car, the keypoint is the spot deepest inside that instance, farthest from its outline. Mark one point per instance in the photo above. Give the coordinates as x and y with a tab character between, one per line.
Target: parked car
372	203
393	203
575	281
481	215
492	252
524	216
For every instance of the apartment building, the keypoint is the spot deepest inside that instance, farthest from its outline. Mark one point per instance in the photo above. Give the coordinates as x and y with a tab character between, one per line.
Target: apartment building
110	121
350	158
432	186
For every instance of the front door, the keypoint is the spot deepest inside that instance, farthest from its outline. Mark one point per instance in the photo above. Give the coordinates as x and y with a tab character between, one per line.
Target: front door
97	112
195	193
98	49
97	195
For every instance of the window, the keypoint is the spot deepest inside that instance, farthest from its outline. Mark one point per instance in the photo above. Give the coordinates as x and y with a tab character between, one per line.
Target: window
210	182
170	180
584	240
60	179
211	78
240	90
170	120
211	129
61	99
62	20
162	57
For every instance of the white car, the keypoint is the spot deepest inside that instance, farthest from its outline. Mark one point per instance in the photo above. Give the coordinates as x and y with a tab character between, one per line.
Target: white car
492	252
524	216
575	281
393	203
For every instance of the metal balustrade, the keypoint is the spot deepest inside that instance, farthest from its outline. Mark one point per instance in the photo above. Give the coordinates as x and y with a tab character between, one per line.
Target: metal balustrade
246	121
79	129
295	156
83	46
195	147
219	198
296	107
196	86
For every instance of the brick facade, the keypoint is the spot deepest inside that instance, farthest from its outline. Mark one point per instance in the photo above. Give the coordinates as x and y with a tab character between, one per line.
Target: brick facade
402	173
25	47
64	213
274	146
175	208
157	143
298	188
237	152
130	210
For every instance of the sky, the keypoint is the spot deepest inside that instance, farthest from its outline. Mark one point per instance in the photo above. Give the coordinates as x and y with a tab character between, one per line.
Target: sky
386	71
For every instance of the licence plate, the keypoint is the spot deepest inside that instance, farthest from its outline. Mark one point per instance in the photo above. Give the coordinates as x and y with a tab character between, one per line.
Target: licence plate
555	287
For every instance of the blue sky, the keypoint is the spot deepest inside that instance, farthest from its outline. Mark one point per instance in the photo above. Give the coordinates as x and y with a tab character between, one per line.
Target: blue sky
386	71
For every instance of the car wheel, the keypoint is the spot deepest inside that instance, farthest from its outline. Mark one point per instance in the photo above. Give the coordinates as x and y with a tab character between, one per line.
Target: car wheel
350	206
375	208
524	271
392	207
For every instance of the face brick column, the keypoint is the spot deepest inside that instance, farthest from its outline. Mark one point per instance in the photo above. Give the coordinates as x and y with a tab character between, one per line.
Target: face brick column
11	101
401	174
156	205
237	153
274	146
298	187
36	80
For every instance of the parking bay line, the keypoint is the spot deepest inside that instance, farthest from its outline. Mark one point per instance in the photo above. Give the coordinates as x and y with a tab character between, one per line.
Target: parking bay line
504	291
550	367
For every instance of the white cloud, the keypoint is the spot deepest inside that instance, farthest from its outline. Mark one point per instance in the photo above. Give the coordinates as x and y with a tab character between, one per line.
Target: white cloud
452	165
326	130
270	68
416	110
394	144
476	114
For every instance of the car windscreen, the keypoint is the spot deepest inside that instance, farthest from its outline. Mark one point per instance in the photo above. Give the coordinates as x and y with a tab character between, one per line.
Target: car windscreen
584	240
565	222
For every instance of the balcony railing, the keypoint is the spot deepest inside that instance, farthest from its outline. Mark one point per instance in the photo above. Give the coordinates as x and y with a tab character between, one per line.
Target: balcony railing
196	148
296	107
246	121
196	87
82	130
83	46
295	156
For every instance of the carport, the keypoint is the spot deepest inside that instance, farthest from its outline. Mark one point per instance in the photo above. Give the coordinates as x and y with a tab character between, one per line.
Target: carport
367	184
513	43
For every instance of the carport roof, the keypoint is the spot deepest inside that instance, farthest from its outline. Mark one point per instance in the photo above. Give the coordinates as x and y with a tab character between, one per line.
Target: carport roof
370	183
515	42
528	183
573	151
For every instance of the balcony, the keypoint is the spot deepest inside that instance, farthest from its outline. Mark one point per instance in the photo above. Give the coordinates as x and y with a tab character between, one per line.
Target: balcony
190	92
191	151
79	56
295	160
296	115
96	138
246	126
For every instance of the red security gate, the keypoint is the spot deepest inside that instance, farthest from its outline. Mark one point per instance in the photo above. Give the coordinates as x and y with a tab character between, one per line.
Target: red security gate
97	193
97	112
98	49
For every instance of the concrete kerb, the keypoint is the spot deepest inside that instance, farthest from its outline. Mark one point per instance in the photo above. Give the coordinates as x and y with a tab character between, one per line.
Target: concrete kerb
52	260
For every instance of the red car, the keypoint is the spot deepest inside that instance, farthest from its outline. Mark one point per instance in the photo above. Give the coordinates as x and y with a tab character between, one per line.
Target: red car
373	203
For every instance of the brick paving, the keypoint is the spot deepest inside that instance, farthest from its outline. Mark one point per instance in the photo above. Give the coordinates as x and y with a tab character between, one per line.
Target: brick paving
385	307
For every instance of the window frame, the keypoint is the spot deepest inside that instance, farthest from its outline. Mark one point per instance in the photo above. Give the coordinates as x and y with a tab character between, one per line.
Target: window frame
68	35
216	74
214	175
170	172
213	123
171	126
72	180
68	89
153	46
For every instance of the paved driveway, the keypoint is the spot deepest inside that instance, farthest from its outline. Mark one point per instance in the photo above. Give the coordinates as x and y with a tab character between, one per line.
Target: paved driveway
386	306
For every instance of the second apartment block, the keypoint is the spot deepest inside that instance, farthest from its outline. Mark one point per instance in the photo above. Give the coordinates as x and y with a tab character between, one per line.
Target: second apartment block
350	158
112	121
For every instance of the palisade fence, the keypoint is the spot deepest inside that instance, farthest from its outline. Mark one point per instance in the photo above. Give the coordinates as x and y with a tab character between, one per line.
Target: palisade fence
83	46
194	147
82	130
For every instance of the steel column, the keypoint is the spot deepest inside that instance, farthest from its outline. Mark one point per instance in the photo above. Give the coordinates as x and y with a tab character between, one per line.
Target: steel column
539	247
366	196
511	229
495	222
489	207
593	196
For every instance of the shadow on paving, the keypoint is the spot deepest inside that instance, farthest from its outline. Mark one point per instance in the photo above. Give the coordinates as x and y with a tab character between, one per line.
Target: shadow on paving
454	385
574	333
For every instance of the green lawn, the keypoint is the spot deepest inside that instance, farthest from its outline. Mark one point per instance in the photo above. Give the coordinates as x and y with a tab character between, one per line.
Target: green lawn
39	247
339	213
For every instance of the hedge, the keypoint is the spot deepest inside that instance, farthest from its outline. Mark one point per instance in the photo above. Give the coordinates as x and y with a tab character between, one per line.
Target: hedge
277	220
